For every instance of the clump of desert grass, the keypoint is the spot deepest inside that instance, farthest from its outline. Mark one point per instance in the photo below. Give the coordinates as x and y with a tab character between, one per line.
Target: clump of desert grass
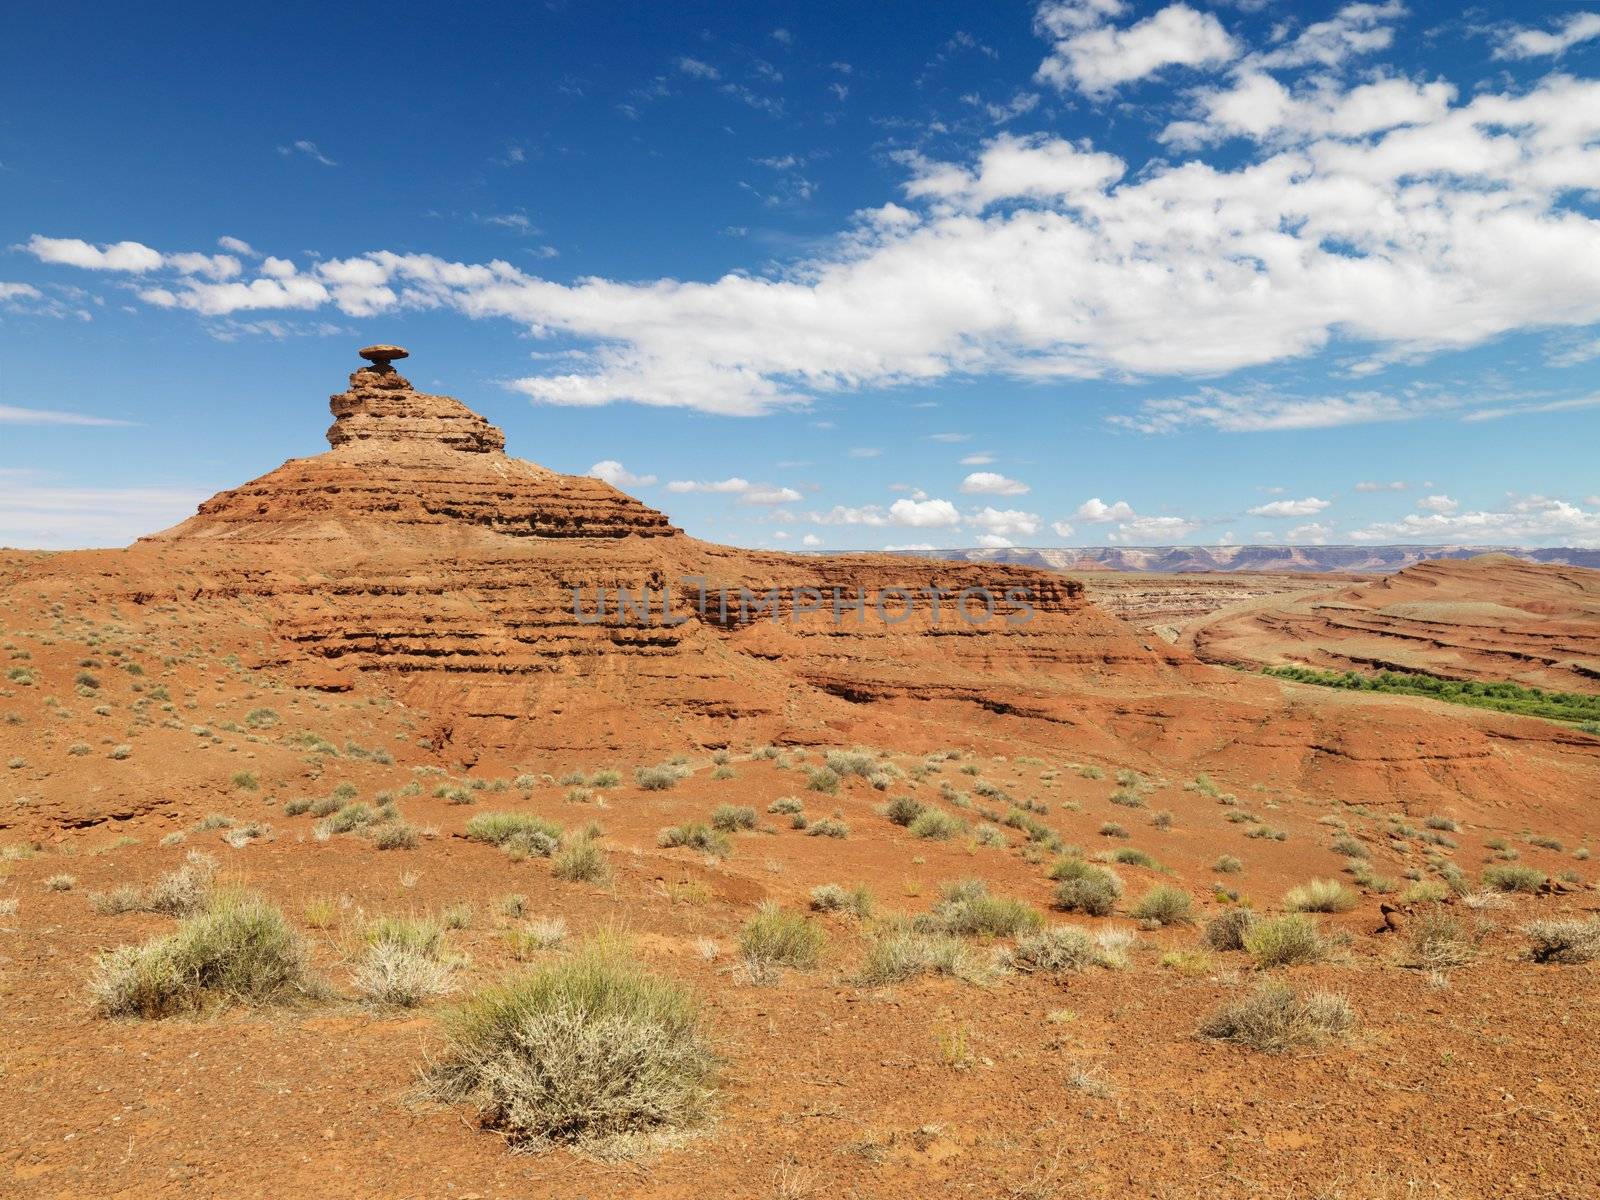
1437	939
775	937
239	949
966	909
593	1051
730	818
404	965
831	897
582	861
898	953
1320	895
1164	905
178	893
1285	941
1563	940
1084	887
1511	878
1059	949
519	834
1228	929
695	836
1277	1019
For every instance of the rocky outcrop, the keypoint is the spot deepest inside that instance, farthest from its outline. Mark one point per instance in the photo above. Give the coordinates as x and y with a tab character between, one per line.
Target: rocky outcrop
402	462
416	561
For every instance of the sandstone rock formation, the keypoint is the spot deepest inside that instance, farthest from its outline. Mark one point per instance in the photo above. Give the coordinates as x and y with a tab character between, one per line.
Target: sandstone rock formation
416	561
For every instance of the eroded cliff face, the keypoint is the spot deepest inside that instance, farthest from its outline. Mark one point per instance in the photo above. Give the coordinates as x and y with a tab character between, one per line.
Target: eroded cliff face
416	560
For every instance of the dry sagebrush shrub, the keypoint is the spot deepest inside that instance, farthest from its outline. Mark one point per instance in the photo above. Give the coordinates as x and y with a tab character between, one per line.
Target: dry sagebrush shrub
591	1049
239	950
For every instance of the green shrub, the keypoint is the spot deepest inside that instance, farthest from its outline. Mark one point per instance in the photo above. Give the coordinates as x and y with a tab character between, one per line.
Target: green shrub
774	937
1276	1019
1320	895
967	909
583	1051
1513	878
903	810
830	897
731	817
1285	941
1228	929
395	835
900	953
1437	939
582	861
1054	950
1164	905
518	831
696	837
1348	846
822	779
240	949
786	806
1227	864
1128	856
657	779
830	827
936	825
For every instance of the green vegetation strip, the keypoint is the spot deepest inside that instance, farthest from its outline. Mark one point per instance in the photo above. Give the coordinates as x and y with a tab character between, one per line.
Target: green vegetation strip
1505	697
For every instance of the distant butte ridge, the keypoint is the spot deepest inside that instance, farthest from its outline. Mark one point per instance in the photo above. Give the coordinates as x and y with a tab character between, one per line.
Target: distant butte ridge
1310	560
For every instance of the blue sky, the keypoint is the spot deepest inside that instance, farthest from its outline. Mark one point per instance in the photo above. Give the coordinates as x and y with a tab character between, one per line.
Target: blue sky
1071	273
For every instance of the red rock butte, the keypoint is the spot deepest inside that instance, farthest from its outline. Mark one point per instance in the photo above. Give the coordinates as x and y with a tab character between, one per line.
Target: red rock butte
417	560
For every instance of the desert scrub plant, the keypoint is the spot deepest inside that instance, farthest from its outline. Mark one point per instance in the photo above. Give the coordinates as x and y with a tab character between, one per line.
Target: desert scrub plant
1276	1019
1507	878
898	953
830	827
239	950
1054	950
402	976
830	897
696	837
1321	896
1563	940
516	832
1083	887
729	818
1285	941
582	861
786	806
1112	830
903	810
966	909
1130	857
822	779
1164	905
775	937
936	825
657	779
60	883
1348	846
422	934
395	835
586	1051
1228	929
1437	939
1227	864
